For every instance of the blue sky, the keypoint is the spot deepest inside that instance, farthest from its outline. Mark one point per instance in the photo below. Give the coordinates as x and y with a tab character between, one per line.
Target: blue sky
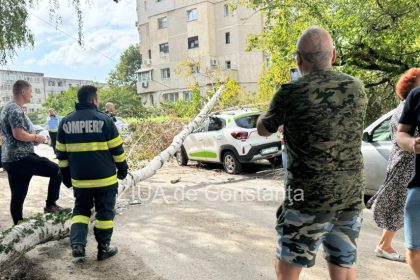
109	28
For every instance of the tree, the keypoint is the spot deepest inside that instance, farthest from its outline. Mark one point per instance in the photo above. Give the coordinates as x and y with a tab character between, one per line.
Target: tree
376	40
62	103
124	73
126	101
14	30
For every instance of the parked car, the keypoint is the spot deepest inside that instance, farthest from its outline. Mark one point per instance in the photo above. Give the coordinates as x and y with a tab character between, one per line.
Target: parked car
229	138
376	148
42	131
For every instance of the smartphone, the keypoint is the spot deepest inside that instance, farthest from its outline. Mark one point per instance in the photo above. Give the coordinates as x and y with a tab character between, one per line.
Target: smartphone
294	74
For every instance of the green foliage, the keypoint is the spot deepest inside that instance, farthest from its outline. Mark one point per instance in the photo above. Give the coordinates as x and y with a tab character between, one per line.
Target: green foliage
37	117
127	102
62	103
376	40
233	95
14	30
124	73
125	99
181	108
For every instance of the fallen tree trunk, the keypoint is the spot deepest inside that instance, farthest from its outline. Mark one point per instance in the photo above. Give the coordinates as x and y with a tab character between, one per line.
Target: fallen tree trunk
149	170
43	228
37	230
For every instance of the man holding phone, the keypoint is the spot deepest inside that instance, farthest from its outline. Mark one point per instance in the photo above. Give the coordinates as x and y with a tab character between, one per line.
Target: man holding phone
322	113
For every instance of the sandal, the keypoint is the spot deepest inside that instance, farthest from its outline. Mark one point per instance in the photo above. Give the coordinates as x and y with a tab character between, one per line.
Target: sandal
389	256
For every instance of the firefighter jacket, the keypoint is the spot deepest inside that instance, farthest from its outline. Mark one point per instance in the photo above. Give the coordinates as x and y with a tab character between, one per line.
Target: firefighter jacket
89	148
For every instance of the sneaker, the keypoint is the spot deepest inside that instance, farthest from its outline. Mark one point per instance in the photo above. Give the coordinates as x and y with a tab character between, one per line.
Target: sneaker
106	251
78	251
55	209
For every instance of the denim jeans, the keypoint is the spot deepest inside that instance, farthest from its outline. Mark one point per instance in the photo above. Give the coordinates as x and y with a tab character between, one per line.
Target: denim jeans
412	219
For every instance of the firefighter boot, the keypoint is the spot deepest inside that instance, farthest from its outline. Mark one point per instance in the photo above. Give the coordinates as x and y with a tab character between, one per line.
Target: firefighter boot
106	251
78	251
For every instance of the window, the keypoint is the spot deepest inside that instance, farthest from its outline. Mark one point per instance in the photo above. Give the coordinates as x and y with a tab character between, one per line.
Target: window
163	22
226	10
171	96
187	95
150	54
228	64
195	69
165	73
215	124
192	15
145	76
193	42
60	83
164	48
152	101
248	121
227	38
382	132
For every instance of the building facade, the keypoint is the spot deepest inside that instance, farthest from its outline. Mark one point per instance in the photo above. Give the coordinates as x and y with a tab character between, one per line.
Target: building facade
207	34
42	86
8	78
56	85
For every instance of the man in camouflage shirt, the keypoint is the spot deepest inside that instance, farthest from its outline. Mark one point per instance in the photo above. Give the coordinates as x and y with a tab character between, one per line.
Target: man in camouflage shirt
322	113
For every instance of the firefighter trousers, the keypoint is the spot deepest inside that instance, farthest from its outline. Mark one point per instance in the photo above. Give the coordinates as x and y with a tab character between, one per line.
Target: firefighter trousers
103	199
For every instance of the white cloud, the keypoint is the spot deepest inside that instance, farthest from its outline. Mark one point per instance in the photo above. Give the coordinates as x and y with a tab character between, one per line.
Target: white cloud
108	29
100	47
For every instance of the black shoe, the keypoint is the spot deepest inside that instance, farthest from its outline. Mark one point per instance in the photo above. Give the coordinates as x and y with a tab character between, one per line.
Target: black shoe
78	251
106	251
55	209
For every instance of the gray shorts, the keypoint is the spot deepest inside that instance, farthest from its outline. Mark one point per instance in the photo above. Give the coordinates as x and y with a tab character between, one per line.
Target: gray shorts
299	235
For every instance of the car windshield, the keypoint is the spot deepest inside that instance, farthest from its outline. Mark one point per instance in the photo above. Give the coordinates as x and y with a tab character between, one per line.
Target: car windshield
249	121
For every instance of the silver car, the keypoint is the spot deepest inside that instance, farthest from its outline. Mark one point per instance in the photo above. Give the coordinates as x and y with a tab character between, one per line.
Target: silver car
376	148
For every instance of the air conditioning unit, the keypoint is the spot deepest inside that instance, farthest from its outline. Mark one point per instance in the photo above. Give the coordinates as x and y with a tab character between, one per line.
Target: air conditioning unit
234	67
145	84
213	62
162	54
148	61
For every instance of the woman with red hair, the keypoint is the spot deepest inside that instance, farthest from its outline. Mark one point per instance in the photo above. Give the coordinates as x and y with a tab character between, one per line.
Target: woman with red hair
388	203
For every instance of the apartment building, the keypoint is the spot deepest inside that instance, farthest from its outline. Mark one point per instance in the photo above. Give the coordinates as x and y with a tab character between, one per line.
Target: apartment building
42	86
8	78
56	85
208	33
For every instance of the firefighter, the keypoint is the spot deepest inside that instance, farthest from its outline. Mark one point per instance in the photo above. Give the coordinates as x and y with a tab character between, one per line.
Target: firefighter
91	158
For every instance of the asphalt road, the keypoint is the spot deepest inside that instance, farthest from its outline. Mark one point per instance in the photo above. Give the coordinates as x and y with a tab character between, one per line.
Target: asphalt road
209	225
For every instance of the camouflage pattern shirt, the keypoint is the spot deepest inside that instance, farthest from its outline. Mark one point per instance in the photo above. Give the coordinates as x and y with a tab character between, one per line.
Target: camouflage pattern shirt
12	116
323	115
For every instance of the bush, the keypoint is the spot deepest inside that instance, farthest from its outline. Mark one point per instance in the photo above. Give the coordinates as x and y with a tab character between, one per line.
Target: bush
150	138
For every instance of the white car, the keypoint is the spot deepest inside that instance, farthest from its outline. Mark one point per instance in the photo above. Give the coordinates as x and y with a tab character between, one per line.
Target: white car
230	138
376	148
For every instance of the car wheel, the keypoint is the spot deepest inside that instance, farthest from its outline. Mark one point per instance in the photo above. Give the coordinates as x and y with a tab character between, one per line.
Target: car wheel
181	157
231	163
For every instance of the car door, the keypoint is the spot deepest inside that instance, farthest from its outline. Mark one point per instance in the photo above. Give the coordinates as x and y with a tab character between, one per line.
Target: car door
193	144
376	148
212	139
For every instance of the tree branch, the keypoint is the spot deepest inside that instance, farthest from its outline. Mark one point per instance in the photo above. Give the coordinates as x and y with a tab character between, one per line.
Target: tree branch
383	81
